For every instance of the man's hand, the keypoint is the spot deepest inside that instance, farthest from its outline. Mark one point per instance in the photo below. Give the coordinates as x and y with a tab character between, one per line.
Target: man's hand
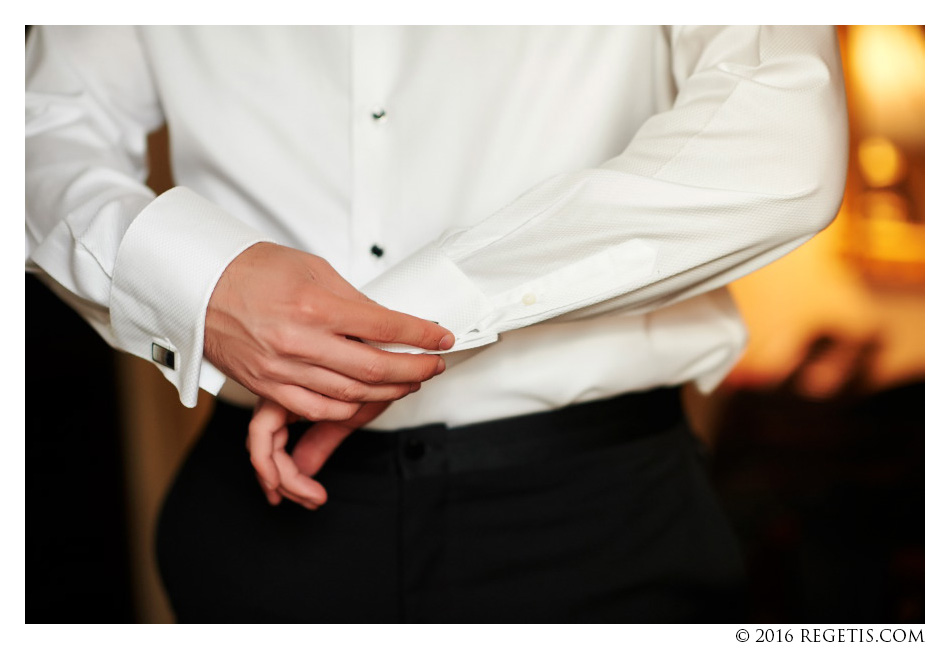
280	474
286	326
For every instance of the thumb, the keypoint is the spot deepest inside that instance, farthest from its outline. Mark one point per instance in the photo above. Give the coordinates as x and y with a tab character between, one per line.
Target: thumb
318	443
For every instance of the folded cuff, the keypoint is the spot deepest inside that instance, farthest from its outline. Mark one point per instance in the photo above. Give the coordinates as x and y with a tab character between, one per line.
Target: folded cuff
168	264
429	285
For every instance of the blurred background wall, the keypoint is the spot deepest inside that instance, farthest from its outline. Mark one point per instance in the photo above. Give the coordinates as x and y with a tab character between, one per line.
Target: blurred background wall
816	438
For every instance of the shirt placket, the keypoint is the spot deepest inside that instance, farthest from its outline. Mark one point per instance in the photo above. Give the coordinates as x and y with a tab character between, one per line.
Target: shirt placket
372	119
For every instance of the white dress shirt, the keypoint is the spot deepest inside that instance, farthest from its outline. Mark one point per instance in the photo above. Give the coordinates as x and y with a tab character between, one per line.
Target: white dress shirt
568	201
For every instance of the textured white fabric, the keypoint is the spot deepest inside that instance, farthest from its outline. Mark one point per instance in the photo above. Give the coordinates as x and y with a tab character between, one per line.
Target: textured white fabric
179	224
582	192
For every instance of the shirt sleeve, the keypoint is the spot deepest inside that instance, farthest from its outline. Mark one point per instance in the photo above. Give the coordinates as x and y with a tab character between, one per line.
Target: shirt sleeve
139	269
748	164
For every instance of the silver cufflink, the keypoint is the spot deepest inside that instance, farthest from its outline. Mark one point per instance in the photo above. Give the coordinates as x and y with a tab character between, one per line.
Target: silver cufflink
162	355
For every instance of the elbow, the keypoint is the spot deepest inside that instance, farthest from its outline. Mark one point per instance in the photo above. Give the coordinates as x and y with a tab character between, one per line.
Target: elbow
826	150
810	133
820	203
820	171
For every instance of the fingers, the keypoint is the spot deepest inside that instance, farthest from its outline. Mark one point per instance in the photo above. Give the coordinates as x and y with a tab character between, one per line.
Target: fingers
332	384
276	472
296	486
312	406
273	496
269	418
330	365
369	321
318	394
366	414
317	444
322	439
372	366
268	429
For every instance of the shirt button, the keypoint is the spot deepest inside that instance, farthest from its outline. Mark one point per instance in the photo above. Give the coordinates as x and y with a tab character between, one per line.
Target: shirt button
379	114
415	448
528	299
376	251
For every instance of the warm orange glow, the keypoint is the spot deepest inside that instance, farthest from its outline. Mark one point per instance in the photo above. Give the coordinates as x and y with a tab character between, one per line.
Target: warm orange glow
872	294
888	80
879	206
884	203
882	164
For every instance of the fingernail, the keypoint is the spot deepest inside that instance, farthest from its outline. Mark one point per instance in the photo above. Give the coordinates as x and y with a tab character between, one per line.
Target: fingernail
440	367
415	387
447	341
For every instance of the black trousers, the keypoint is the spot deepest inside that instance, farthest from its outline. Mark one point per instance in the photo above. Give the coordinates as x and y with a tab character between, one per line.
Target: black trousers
600	512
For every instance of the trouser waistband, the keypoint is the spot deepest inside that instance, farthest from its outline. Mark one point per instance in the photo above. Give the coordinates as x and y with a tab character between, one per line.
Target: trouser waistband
545	436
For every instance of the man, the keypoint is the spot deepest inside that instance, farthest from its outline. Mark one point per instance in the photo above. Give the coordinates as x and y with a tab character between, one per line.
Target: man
557	207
